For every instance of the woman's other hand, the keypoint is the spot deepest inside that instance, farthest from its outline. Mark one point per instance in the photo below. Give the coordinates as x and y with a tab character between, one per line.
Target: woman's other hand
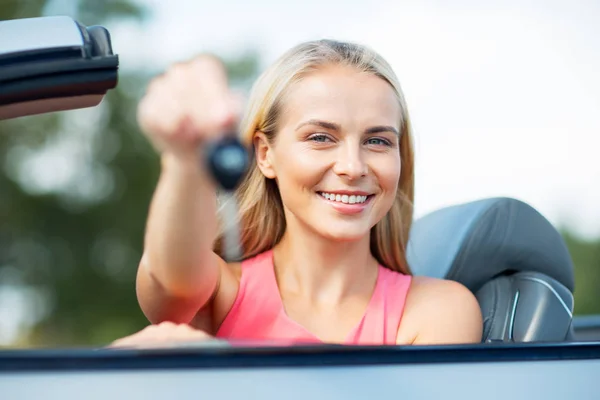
165	334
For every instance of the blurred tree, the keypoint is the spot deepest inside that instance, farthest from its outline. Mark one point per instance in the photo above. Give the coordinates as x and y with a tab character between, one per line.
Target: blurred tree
75	189
586	257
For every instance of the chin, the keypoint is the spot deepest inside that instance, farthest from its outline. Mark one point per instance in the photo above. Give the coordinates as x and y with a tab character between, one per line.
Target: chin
344	232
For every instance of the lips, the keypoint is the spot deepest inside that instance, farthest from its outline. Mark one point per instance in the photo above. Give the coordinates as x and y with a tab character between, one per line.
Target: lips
347	203
350	198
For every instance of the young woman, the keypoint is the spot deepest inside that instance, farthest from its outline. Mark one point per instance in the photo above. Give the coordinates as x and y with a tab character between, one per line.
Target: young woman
325	210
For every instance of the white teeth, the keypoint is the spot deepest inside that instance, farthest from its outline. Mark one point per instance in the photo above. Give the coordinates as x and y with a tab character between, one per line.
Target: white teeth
347	199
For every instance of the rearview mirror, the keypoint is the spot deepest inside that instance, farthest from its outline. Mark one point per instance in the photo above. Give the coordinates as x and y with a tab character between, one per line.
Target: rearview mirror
52	64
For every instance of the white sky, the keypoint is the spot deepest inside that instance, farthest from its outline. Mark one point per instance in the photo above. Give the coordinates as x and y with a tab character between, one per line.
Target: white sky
504	96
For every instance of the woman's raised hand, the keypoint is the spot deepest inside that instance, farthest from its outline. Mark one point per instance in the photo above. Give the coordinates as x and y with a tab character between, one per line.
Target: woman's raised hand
186	105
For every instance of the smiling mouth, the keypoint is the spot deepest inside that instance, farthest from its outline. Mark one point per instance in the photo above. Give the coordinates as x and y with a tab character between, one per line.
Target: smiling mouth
346	198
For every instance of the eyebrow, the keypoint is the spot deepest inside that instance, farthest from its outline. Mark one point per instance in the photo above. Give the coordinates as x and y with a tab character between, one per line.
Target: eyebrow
383	128
336	127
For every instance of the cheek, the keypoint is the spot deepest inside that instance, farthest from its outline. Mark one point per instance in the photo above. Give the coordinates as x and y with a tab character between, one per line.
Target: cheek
297	173
299	167
388	169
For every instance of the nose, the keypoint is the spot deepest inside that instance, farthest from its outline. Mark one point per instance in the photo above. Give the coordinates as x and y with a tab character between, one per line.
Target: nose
350	162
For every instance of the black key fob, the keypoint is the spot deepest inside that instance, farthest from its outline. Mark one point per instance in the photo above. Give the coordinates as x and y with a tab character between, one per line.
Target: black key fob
227	161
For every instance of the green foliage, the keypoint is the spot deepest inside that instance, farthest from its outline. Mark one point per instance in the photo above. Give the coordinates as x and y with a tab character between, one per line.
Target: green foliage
586	257
89	12
10	9
80	245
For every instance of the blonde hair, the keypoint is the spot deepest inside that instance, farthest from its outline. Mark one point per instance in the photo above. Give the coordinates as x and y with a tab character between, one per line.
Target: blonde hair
261	215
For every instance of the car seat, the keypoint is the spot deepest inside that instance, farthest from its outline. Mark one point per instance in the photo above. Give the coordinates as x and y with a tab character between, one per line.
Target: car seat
510	256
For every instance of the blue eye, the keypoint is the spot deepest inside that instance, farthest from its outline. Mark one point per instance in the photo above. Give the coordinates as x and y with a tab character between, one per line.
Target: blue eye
319	137
378	142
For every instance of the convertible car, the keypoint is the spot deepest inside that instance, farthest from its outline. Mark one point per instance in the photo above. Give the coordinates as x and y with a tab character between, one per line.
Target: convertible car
502	249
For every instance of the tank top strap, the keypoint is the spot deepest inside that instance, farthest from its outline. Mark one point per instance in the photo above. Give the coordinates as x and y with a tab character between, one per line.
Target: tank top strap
256	303
384	313
257	274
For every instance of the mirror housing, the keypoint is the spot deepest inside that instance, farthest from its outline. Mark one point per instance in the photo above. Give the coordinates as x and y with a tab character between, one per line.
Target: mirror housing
50	64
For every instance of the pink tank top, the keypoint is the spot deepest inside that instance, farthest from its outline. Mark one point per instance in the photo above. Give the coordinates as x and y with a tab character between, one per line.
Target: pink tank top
258	312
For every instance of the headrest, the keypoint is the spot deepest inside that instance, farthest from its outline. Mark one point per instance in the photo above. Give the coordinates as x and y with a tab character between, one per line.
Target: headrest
474	242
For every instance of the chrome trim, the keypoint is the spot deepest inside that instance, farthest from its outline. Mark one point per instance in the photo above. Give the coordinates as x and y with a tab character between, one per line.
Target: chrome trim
511	324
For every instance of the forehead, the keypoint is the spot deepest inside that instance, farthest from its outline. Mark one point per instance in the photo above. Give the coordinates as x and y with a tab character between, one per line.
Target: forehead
344	95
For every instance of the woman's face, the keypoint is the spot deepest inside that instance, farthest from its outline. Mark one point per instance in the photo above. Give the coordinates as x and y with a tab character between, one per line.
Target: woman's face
336	156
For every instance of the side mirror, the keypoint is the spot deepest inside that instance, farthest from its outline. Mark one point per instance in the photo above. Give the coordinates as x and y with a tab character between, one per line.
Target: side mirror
52	64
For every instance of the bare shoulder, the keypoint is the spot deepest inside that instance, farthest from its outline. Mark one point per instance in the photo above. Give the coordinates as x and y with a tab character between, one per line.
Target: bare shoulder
440	311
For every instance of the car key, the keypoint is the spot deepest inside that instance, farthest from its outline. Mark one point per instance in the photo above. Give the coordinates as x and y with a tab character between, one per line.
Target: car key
227	162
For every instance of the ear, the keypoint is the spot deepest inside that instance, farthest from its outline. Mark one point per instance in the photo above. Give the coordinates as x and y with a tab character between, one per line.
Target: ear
264	155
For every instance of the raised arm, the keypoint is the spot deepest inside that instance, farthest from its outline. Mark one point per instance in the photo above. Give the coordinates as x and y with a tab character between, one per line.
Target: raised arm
182	109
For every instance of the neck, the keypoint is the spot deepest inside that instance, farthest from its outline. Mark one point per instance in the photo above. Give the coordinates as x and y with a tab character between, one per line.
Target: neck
323	270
